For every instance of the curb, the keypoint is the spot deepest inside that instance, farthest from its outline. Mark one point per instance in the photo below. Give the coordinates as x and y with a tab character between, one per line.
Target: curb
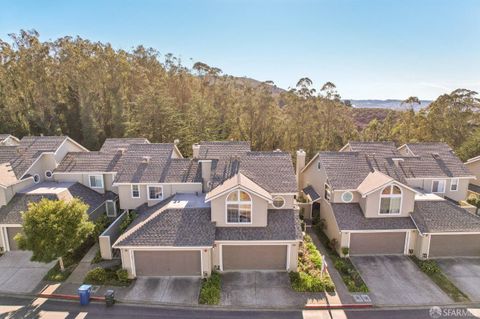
338	306
69	297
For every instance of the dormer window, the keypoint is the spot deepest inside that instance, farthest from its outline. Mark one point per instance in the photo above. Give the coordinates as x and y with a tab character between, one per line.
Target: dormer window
390	200
239	207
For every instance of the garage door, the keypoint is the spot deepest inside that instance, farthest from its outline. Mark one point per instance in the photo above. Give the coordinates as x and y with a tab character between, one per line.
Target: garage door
168	263
454	245
377	243
11	232
254	257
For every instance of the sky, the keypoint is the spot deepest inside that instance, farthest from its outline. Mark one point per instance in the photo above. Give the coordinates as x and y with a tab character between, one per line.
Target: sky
370	49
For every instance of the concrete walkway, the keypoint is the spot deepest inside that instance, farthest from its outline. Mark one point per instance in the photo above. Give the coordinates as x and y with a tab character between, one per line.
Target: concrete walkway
342	295
77	276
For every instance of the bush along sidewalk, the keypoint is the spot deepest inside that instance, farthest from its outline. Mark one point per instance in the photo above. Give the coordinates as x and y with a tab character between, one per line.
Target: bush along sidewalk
210	291
432	270
350	275
309	277
114	276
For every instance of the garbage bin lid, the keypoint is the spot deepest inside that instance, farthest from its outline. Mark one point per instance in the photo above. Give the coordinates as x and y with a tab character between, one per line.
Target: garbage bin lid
85	287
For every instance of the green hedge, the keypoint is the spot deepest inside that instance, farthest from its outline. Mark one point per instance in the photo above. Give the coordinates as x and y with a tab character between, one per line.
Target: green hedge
210	291
309	277
432	270
350	275
107	276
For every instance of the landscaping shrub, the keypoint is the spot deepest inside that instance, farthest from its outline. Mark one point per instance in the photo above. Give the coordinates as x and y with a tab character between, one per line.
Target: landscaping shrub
127	221
98	258
122	276
96	276
345	251
210	291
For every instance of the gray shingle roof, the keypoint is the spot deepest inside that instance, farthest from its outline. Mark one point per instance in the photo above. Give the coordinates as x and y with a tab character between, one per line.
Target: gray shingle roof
29	149
187	227
90	162
273	171
282	224
222	149
160	167
310	191
443	216
346	170
4	136
113	144
350	217
434	160
12	212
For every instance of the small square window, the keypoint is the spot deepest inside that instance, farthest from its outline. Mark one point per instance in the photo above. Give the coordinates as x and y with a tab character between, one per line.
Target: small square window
155	192
135	191
438	186
96	181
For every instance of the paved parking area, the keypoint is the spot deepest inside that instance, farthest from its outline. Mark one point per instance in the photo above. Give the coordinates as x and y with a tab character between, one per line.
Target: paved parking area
464	273
19	275
396	280
262	289
174	290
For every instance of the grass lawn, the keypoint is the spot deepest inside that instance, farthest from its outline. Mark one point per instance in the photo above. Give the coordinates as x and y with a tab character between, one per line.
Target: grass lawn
432	270
350	275
210	291
309	276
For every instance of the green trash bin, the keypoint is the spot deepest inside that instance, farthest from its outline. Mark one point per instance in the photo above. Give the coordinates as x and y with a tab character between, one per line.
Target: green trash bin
110	298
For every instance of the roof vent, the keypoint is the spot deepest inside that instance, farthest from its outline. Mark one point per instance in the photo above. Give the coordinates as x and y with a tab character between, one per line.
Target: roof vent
278	150
122	150
146	159
436	155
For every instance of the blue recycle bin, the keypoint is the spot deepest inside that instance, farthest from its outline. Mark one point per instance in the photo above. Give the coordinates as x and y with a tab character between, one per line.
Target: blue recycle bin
84	294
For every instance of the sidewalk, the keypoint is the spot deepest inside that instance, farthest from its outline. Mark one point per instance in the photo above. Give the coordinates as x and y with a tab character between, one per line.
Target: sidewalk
77	276
342	296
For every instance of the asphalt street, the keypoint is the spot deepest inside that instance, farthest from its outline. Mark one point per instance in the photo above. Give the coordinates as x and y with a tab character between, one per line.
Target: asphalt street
16	307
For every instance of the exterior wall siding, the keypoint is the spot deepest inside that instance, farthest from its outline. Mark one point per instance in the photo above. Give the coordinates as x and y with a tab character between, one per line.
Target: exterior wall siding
458	195
127	202
259	212
474	167
371	205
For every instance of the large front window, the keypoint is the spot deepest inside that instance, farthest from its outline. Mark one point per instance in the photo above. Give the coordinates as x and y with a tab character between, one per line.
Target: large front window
239	207
390	200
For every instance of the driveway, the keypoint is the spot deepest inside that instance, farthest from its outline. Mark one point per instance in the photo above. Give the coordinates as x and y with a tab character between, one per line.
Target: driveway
396	280
19	275
464	273
174	290
268	289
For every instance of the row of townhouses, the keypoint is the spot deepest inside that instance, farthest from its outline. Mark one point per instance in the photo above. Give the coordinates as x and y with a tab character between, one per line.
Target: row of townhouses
231	208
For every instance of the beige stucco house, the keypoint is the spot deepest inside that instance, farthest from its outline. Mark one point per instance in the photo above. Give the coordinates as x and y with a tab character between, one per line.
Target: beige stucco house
225	209
375	198
26	166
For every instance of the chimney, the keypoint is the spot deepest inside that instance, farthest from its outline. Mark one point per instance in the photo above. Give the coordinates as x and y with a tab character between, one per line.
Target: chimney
196	150
301	155
206	166
146	159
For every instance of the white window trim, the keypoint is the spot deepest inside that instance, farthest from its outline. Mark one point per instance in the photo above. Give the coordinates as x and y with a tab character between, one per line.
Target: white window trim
451	183
390	196
114	208
90	181
131	191
239	202
444	185
347	192
36	182
48	171
148	192
284	202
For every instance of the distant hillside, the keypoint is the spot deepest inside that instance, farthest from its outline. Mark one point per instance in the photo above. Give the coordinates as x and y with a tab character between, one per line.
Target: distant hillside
363	116
386	104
